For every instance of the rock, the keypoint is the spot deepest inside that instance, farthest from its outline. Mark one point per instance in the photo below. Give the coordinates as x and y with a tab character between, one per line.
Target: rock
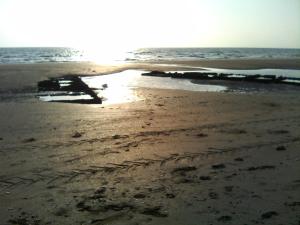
272	77
75	87
154	211
218	166
118	206
139	195
239	159
108	219
183	180
116	136
156	73
76	135
292	204
213	195
228	188
48	85
202	135
205	178
109	170
238	131
23	220
170	195
29	140
61	212
20	221
157	189
99	193
221	76
253	168
184	169
269	214
100	190
224	218
279	132
280	148
82	206
271	104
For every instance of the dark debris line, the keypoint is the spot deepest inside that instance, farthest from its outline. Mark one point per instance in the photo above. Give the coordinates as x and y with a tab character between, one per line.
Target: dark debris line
74	86
225	76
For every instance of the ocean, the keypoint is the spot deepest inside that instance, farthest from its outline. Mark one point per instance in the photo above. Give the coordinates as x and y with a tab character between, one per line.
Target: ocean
40	55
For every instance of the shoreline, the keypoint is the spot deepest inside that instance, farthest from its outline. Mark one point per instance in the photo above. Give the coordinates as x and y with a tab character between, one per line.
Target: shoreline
242	64
11	75
239	63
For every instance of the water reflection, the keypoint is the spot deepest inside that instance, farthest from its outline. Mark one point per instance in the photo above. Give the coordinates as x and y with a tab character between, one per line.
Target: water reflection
120	87
113	88
65	98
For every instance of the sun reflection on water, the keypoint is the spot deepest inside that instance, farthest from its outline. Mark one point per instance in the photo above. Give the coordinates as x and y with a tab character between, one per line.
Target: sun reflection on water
104	55
122	87
114	88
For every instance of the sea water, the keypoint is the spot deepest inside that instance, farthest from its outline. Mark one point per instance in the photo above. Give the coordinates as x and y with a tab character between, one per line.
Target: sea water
39	55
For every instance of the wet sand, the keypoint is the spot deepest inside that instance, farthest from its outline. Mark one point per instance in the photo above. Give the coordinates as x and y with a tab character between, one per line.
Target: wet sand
176	157
12	76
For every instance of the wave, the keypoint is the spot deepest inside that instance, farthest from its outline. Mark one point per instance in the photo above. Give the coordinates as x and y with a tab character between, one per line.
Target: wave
34	55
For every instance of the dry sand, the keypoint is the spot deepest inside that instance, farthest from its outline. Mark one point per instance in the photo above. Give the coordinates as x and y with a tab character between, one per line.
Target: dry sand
176	157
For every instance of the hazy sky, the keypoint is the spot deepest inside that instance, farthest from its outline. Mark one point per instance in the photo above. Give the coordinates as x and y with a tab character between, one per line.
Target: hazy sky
150	23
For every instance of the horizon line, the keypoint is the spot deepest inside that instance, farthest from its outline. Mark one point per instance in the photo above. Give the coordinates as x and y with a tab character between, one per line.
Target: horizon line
173	47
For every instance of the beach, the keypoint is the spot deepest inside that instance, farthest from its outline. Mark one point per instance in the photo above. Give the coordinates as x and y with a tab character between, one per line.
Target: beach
173	157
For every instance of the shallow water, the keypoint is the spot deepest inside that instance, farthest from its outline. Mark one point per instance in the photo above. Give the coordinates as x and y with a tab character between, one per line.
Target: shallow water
54	98
121	87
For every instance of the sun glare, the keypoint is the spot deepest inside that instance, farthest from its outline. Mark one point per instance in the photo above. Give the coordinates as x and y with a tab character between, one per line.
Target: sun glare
130	24
104	55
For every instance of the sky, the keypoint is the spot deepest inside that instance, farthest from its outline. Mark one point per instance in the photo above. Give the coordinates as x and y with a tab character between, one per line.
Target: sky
131	24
